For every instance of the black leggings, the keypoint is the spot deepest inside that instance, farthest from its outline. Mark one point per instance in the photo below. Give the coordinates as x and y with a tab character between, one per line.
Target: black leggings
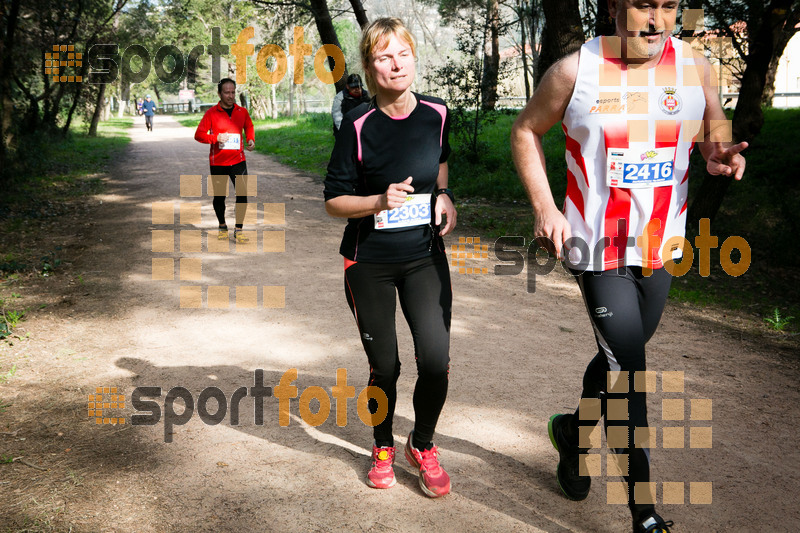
426	296
625	307
218	186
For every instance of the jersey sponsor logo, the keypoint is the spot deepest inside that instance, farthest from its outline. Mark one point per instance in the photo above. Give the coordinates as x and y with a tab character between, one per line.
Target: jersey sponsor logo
608	109
608	105
650	154
617	105
670	102
602	312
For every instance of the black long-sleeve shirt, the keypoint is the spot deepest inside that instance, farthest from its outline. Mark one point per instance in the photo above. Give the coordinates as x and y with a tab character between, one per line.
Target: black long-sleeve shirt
372	151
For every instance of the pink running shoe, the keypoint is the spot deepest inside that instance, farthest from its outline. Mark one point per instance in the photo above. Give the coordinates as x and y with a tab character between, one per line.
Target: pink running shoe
433	480
381	475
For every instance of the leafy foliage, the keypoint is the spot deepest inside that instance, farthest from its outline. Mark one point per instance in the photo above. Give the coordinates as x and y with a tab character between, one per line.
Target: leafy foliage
778	322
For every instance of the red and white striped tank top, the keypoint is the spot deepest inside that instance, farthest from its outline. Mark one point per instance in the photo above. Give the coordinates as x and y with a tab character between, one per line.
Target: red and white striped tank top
640	118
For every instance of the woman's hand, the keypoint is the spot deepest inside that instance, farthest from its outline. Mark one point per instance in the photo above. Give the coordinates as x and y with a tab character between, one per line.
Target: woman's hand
444	206
396	194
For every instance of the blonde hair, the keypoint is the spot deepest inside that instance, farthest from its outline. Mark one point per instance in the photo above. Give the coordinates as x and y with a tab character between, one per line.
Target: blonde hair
377	34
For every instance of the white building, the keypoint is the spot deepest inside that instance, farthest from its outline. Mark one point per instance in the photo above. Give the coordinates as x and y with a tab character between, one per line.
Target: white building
787	77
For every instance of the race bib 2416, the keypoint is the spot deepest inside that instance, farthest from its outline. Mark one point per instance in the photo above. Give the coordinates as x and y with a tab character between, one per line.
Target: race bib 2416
636	169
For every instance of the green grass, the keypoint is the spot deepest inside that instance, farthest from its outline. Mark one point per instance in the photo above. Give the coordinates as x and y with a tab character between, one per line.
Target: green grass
50	177
50	181
190	121
777	321
8	374
763	207
304	142
58	169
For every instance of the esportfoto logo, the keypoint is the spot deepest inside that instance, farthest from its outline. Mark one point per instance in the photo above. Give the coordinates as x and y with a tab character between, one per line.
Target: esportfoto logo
107	61
149	411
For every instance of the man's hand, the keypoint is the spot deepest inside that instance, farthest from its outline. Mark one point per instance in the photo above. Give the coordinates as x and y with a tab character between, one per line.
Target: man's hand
727	161
551	230
445	206
395	195
222	138
250	145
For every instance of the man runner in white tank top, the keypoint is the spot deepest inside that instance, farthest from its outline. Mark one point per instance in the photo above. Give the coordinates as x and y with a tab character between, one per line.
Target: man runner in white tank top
632	107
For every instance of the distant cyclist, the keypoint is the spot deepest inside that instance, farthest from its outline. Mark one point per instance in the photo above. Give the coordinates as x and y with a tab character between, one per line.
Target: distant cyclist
388	176
632	107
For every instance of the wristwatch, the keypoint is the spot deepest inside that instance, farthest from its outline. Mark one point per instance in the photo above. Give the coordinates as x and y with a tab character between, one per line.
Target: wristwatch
448	192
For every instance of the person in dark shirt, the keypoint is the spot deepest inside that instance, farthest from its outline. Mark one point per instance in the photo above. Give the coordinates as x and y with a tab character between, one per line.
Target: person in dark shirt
348	99
149	110
388	176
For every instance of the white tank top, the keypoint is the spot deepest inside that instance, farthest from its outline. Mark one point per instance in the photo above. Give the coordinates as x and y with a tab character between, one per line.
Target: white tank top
637	126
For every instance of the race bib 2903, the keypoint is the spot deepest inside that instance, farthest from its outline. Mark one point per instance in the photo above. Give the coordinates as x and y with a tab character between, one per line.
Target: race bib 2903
636	169
414	212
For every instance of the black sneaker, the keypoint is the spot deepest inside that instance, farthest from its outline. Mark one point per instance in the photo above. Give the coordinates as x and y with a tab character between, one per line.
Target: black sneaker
652	524
574	486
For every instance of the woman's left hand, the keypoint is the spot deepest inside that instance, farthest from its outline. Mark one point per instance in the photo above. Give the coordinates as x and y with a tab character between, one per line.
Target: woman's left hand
445	206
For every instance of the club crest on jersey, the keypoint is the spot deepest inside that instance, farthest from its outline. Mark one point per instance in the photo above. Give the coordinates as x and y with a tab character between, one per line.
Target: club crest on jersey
670	102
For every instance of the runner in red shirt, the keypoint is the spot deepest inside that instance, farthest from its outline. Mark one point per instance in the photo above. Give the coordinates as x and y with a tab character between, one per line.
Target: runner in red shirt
221	127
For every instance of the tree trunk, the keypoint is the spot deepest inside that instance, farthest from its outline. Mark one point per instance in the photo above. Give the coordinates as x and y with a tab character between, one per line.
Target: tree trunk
687	32
361	14
604	24
534	35
6	68
78	92
562	34
769	85
790	28
748	116
491	57
522	13
75	100
98	110
124	95
51	110
327	33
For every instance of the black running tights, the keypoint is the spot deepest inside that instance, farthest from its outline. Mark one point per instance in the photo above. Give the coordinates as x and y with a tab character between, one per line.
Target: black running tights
425	294
625	307
219	188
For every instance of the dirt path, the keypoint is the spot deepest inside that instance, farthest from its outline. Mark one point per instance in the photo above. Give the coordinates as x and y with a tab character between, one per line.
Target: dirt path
517	357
